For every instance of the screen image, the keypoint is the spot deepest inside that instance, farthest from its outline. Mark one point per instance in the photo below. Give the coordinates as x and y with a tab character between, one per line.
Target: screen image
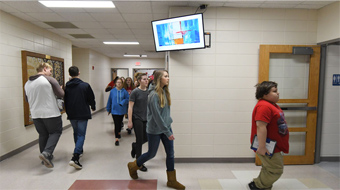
179	33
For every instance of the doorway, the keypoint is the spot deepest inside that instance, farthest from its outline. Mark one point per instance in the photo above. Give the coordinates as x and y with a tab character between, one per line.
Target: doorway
298	83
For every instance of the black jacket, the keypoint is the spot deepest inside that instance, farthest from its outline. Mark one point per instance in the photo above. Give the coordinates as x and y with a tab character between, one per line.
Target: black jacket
78	97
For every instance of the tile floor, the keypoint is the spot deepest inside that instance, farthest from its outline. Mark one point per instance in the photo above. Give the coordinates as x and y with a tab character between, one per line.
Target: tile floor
103	161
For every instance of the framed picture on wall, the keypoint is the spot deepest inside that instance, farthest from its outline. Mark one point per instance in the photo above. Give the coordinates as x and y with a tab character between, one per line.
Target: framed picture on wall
30	61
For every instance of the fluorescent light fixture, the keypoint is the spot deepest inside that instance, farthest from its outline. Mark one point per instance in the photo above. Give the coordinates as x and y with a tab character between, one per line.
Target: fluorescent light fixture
135	55
79	4
121	43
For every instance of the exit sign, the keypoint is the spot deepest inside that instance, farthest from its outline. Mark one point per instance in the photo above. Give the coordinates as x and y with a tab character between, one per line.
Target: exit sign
336	80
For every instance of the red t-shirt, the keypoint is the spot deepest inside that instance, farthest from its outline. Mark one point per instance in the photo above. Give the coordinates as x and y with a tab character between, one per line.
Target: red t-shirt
277	128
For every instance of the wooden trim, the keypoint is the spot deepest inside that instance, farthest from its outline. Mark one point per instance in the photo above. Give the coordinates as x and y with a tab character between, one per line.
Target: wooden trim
311	101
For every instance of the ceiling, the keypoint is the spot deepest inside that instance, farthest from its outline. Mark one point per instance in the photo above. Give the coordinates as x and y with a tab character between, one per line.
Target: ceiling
129	21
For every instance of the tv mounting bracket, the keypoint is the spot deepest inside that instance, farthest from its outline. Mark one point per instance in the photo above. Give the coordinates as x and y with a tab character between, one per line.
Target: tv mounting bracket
208	34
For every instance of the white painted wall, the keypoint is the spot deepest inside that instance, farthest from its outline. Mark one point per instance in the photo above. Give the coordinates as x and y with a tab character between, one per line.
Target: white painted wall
329	22
94	69
17	35
212	90
131	64
100	76
330	139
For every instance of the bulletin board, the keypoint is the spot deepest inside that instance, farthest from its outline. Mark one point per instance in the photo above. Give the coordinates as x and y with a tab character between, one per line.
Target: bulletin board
30	61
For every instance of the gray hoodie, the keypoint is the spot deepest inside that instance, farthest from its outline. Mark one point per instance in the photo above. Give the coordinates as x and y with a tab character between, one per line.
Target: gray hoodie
159	119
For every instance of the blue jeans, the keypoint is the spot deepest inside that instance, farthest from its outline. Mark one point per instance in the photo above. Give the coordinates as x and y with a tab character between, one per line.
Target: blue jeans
153	143
79	132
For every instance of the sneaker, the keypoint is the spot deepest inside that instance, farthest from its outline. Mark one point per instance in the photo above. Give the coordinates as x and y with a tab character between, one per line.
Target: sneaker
143	168
46	158
252	186
75	164
133	150
42	162
117	143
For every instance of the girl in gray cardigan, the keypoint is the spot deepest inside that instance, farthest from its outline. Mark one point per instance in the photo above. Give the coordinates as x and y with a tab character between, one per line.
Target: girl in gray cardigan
158	128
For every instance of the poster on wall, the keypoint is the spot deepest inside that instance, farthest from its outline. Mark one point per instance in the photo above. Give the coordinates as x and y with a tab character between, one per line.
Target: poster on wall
30	61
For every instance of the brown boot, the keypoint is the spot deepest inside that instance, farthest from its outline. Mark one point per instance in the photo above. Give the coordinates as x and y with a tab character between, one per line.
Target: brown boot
133	169
172	181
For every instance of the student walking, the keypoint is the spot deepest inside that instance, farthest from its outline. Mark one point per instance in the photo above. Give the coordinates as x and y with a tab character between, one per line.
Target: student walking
159	129
268	121
117	105
137	115
40	92
78	97
129	87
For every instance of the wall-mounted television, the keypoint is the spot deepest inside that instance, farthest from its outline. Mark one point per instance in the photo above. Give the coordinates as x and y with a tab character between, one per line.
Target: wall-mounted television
179	33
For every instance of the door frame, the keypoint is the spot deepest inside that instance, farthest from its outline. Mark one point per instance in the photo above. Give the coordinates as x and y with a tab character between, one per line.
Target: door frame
311	101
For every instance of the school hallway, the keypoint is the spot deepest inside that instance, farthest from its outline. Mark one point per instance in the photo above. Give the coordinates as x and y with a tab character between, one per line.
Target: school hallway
105	167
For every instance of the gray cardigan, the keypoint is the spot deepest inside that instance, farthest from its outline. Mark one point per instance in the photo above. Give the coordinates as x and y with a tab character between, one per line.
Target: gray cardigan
158	119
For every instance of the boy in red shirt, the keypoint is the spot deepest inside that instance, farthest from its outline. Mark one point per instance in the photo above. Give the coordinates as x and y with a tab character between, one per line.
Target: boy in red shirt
268	121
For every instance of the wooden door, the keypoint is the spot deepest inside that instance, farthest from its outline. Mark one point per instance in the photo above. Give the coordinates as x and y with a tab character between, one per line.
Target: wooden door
306	104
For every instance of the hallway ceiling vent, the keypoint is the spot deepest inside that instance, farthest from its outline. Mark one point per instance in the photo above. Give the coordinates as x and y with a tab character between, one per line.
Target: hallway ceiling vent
81	35
61	24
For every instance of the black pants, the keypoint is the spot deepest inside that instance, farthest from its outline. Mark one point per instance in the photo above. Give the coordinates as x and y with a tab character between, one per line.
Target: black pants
117	119
140	133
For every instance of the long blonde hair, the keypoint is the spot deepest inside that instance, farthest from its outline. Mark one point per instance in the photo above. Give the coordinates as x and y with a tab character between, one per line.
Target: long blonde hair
159	90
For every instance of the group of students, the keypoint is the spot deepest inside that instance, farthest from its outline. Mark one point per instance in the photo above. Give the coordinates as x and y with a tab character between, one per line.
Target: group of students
148	111
41	91
149	116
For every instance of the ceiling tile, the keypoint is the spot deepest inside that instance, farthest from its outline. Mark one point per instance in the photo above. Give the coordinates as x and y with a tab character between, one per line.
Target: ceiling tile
71	31
135	7
42	24
104	37
309	6
120	31
96	31
107	17
29	6
8	8
137	17
125	37
81	24
114	25
47	17
77	16
141	25
141	31
159	16
24	16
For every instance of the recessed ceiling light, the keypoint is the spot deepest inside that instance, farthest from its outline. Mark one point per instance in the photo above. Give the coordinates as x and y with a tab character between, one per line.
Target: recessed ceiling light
135	55
79	4
121	43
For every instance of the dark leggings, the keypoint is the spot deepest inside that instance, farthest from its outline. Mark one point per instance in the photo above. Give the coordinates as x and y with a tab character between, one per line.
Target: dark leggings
117	119
140	133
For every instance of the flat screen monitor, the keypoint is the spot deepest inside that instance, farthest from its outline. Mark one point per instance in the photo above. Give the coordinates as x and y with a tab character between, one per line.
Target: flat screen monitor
179	33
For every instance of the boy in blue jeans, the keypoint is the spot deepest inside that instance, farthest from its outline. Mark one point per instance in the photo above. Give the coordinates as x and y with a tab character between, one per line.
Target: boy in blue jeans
268	121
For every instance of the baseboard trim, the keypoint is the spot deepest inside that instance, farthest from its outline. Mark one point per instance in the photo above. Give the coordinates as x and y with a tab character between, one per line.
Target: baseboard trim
215	160
29	145
330	159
